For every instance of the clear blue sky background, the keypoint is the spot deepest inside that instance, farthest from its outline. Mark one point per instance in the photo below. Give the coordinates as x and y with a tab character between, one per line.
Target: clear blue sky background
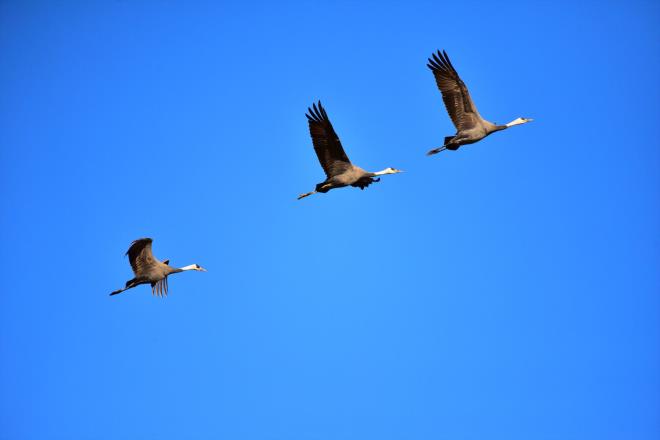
509	290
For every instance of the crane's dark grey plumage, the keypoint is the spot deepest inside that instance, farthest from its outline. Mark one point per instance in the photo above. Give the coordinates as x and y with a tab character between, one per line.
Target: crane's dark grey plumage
470	126
338	168
148	270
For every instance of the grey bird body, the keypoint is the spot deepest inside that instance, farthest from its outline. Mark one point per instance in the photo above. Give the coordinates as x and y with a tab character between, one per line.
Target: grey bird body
149	270
470	126
339	170
352	175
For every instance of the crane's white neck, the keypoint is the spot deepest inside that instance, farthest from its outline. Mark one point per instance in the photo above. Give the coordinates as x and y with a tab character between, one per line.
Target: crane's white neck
517	121
190	267
385	171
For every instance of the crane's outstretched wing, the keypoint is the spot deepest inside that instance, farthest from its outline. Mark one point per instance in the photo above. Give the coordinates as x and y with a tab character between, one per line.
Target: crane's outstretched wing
159	288
140	256
327	145
364	182
461	109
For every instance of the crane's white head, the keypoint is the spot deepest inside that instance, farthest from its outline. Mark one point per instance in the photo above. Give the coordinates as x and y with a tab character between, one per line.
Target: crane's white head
194	267
388	171
519	121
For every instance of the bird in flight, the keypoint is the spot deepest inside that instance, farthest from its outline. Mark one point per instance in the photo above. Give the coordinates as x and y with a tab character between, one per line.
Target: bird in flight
148	270
470	126
339	170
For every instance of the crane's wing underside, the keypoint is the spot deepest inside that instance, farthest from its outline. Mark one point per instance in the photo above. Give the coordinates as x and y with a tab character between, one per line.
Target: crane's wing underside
364	182
327	145
159	288
459	104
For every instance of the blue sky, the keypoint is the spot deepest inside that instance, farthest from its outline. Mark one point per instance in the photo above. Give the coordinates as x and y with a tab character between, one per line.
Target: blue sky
505	291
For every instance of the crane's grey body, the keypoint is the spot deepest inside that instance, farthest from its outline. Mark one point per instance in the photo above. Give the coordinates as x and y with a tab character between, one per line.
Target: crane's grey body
352	175
149	270
470	126
339	170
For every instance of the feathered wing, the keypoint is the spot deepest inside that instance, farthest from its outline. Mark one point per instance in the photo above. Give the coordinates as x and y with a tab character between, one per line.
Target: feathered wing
364	182
140	256
159	288
327	145
459	104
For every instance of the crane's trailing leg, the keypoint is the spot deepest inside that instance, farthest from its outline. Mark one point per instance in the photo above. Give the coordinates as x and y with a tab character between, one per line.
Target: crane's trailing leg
302	196
129	285
436	150
449	145
323	187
